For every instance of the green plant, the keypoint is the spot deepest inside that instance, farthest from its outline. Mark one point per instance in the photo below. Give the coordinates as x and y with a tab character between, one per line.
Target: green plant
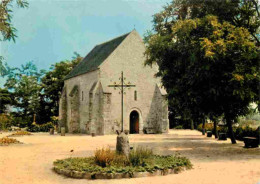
21	133
245	131
249	122
178	127
150	164
21	122
7	141
208	127
120	160
54	120
138	155
41	128
104	157
5	121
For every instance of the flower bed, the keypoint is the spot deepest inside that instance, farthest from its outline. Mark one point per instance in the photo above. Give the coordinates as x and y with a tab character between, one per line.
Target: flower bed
5	141
110	165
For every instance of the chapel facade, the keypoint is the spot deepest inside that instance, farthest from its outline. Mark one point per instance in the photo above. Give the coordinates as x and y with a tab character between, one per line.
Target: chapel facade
88	105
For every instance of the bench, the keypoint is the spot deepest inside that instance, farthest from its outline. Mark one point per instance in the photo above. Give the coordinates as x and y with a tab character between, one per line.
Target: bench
251	142
149	130
222	136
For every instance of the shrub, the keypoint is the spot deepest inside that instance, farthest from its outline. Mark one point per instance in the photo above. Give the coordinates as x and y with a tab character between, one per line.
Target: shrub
222	129
170	162
245	131
208	127
55	120
41	128
178	127
251	123
7	141
120	160
21	122
254	116
5	121
138	155
104	157
21	133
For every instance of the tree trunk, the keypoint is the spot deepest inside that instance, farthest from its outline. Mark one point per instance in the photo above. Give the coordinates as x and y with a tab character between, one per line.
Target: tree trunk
215	129
230	131
203	127
191	125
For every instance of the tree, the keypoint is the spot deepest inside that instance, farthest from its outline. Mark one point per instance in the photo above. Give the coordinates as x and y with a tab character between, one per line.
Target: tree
5	99
240	13
6	27
53	82
24	84
207	66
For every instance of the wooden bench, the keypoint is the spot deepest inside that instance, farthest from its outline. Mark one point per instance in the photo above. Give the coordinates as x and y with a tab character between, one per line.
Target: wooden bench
222	136
251	142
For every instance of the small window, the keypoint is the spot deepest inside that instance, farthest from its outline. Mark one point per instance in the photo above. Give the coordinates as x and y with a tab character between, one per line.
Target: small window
82	95
135	95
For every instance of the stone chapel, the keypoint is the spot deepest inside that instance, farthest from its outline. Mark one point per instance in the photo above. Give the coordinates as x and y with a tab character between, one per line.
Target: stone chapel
88	105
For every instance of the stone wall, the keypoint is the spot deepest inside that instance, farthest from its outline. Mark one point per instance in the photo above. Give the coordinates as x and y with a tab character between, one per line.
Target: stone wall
63	109
85	82
74	123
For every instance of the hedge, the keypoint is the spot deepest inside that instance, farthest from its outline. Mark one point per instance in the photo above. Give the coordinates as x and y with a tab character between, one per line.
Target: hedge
41	128
240	131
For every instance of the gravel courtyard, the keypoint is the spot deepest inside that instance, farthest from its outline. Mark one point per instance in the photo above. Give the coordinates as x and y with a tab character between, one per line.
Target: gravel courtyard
215	162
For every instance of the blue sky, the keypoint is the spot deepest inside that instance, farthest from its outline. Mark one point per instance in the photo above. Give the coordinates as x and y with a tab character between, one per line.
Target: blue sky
50	31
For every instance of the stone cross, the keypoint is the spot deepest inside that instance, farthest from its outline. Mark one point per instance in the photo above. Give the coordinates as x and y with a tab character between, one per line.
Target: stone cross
122	85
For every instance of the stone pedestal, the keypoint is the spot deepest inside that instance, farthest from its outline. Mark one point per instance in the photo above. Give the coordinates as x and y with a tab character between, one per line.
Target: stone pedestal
122	144
62	131
51	131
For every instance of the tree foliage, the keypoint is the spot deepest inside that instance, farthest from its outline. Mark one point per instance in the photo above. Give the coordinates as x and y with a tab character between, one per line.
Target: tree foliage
36	92
6	27
208	65
24	84
5	99
53	82
240	13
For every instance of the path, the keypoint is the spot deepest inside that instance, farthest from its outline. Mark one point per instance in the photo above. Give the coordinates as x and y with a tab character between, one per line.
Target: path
214	161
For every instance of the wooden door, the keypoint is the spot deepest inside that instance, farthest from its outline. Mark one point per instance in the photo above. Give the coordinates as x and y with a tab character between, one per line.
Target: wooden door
134	122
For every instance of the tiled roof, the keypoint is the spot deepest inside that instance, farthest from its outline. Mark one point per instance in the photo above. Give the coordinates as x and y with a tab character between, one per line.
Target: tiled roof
96	57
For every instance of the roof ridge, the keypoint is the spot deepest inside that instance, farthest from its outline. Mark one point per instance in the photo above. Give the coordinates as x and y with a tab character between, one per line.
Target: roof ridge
113	39
96	56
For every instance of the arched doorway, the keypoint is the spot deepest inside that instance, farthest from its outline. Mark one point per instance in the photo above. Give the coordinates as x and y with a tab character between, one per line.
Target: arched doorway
134	122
